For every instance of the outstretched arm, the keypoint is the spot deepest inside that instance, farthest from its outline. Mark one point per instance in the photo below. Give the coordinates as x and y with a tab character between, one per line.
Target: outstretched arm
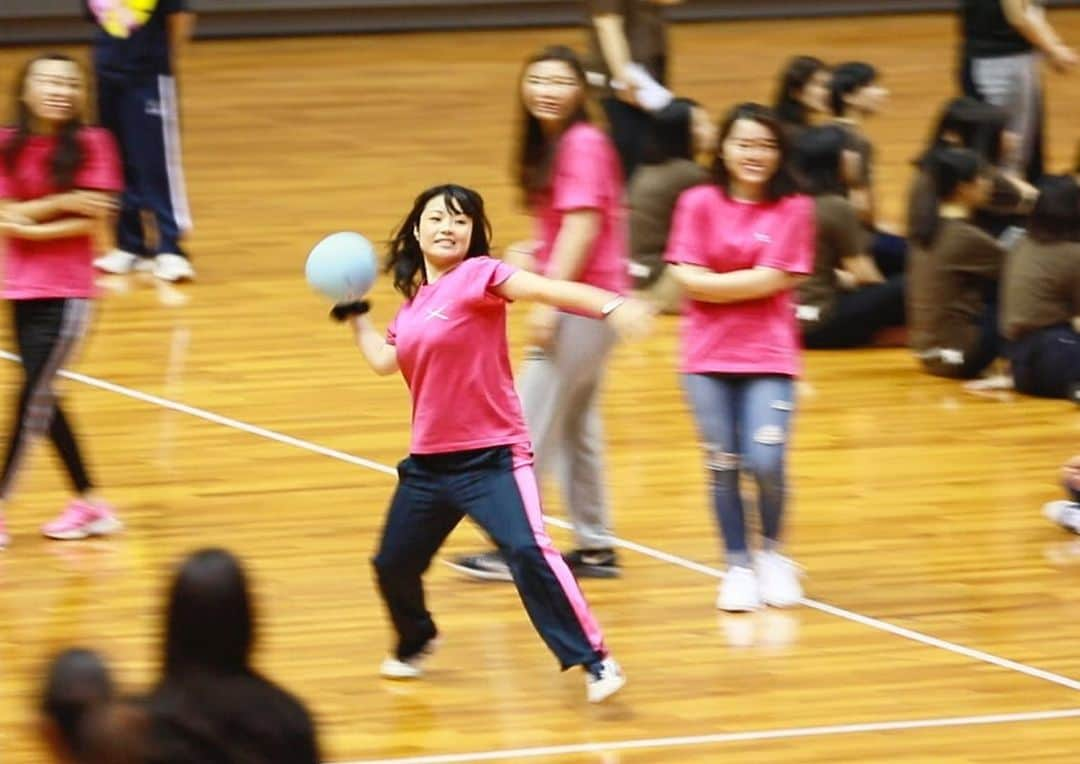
629	317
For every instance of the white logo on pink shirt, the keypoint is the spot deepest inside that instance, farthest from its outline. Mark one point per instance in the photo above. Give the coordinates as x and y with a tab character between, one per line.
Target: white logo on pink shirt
437	313
763	237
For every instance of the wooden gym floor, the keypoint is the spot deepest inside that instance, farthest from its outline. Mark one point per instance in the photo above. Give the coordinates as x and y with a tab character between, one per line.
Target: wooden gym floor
944	619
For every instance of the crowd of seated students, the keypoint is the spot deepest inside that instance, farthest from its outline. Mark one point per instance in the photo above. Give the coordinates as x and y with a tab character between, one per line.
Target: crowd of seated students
944	288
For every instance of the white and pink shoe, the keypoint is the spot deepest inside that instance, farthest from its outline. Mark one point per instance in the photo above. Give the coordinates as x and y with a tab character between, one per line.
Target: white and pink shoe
81	519
5	539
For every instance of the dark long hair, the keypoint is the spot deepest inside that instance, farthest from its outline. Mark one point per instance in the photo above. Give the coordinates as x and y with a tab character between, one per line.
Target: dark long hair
211	705
782	183
210	622
535	152
68	156
1056	216
669	135
77	683
796	74
947	168
819	160
406	260
846	79
971	124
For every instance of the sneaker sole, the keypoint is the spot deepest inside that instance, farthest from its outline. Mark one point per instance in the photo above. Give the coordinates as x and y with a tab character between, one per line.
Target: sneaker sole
783	603
105	527
392	668
174	279
399	674
595	571
613	688
479	575
739	607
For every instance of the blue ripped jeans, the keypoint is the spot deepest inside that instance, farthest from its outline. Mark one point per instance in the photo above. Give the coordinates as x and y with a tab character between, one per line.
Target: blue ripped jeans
744	422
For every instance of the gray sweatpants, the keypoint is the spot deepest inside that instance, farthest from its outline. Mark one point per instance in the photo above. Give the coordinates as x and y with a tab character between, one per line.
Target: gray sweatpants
560	392
1015	84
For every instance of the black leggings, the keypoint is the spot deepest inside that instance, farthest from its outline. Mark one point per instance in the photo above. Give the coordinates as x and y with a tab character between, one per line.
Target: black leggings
47	332
859	315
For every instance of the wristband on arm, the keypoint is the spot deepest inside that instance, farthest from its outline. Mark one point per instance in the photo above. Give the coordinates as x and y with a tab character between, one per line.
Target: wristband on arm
346	310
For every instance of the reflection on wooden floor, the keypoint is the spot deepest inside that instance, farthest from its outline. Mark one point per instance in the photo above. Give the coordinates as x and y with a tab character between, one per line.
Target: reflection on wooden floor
915	503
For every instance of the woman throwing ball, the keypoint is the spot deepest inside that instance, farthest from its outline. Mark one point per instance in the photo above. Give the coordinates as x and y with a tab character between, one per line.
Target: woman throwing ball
470	452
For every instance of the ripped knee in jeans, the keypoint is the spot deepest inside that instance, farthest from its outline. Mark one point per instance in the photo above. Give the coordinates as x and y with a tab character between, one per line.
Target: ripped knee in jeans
770	435
718	460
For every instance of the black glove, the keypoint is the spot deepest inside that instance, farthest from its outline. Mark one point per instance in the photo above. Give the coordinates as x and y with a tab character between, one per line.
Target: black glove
343	311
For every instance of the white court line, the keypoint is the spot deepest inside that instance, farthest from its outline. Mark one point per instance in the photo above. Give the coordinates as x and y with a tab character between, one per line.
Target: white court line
656	554
725	737
210	416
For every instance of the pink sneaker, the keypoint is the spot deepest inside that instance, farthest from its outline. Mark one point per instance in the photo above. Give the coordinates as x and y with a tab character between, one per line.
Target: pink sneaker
81	519
5	539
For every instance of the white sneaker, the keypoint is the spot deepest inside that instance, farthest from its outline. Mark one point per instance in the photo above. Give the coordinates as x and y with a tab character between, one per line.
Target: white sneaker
409	668
604	680
1064	513
779	580
117	261
170	267
739	591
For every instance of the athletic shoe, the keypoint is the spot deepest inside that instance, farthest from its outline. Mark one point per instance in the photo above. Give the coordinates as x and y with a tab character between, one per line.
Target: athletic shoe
593	563
5	539
603	679
739	591
82	519
172	267
1064	513
411	667
118	261
486	566
778	580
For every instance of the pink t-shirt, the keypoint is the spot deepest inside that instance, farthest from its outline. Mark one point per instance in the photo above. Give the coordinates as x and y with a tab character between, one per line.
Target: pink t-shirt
712	230
586	175
452	350
57	267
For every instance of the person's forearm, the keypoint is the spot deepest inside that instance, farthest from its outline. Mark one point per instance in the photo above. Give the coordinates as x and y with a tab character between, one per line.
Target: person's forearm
735	286
573	295
571	249
1032	23
611	32
38	210
381	357
55	229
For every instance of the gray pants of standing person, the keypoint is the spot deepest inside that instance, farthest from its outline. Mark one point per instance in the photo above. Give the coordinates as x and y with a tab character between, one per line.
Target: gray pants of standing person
1015	84
560	395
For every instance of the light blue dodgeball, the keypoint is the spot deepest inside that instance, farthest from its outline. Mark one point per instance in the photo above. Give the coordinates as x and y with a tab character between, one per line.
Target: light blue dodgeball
342	266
